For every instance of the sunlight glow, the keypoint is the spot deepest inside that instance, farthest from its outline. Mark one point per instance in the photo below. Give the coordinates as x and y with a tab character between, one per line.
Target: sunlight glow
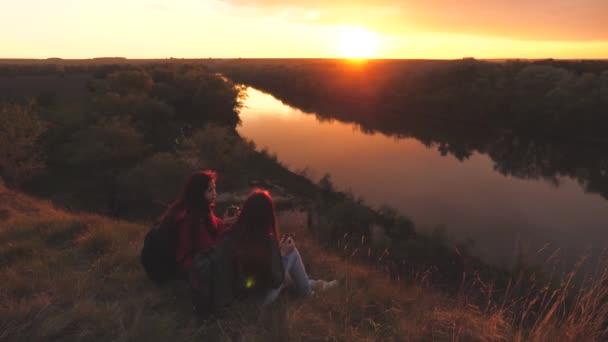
47	30
356	42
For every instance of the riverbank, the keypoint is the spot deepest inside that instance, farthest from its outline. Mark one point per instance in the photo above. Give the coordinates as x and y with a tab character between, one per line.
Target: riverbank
508	197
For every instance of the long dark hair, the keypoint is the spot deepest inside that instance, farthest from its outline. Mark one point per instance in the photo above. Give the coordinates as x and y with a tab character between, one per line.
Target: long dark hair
192	199
256	224
258	218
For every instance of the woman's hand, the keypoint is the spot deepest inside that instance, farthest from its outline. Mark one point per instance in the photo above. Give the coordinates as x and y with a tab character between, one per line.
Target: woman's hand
229	220
287	245
231	215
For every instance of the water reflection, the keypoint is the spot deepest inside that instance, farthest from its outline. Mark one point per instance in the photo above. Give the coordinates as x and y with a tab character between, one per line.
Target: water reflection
421	172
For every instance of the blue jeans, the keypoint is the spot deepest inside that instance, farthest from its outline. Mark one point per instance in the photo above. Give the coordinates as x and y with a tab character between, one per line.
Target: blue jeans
295	278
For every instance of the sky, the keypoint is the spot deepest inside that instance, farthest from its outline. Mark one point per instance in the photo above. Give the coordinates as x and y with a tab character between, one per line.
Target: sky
435	29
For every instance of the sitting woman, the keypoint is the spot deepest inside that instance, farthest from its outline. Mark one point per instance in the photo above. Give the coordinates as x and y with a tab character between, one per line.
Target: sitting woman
268	264
197	226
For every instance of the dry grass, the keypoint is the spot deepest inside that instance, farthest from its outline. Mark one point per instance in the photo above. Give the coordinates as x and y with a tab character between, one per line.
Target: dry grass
77	277
572	311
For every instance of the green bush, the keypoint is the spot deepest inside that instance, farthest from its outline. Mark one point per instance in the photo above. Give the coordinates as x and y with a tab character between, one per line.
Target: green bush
21	149
130	82
109	144
156	180
153	118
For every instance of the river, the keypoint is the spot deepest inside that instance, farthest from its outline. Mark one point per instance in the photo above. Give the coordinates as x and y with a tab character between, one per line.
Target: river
504	215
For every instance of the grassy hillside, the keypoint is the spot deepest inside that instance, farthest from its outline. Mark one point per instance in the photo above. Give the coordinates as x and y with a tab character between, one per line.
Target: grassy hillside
73	276
77	276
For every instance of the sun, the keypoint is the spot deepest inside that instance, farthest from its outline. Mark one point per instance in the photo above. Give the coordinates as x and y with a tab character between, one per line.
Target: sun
356	42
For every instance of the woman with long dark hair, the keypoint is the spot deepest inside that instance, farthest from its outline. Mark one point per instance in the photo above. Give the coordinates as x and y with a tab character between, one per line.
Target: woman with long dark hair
197	226
268	262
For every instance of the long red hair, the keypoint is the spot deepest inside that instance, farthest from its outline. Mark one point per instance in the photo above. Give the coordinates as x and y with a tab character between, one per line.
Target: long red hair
255	225
192	199
258	217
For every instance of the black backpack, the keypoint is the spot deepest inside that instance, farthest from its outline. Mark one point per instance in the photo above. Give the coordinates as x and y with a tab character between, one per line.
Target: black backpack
217	281
213	279
158	253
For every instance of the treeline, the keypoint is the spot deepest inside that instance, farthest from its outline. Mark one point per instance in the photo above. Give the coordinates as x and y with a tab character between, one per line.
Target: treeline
120	146
552	98
542	119
59	66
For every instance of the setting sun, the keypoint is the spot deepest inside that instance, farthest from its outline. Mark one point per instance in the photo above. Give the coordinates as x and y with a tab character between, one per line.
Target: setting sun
356	42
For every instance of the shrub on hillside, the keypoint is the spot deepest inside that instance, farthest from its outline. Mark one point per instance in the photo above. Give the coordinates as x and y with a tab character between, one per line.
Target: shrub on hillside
108	144
21	149
200	97
156	180
154	118
215	147
130	82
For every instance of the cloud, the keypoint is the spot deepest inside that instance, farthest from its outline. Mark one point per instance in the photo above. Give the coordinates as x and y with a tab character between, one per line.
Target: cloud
567	20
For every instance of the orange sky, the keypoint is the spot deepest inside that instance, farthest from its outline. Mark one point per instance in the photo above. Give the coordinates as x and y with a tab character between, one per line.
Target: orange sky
312	28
